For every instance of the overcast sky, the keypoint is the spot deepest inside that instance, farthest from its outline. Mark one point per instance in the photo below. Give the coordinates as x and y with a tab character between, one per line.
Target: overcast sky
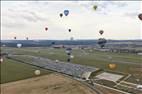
118	19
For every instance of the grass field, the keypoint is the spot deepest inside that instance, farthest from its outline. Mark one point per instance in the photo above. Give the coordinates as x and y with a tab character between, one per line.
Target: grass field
12	71
95	58
124	61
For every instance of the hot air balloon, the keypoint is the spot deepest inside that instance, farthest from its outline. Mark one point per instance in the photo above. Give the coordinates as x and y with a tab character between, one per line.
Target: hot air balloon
56	61
95	7
19	45
102	42
68	52
46	28
66	12
53	43
1	60
112	66
101	32
71	56
140	16
37	72
15	38
68	49
68	60
61	14
69	30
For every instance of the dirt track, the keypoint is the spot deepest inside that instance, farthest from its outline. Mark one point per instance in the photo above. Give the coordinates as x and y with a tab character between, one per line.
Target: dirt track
48	84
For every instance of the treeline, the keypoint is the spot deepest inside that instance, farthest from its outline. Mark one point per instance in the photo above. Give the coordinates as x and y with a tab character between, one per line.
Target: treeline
45	43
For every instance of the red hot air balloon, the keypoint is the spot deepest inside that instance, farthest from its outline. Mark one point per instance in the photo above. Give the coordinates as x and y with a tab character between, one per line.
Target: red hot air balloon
46	28
101	32
140	16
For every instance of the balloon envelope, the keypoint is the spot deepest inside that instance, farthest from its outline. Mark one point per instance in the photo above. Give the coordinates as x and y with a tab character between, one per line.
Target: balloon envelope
101	32
53	43
69	30
95	7
68	60
46	28
61	14
56	61
66	12
1	60
140	16
68	49
112	66
71	56
37	72
102	42
19	45
14	37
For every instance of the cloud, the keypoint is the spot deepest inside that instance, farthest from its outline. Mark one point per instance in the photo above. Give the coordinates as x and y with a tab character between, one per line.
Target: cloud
104	7
32	17
13	25
17	16
131	14
115	3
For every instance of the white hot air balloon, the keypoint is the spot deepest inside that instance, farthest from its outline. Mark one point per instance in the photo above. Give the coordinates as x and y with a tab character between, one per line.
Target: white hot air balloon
37	72
19	45
56	61
71	56
1	60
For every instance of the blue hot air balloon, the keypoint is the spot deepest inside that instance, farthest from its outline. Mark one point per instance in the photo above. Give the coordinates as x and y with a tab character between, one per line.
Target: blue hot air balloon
66	12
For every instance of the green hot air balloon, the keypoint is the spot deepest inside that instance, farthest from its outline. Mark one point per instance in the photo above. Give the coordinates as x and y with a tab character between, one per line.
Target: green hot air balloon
95	7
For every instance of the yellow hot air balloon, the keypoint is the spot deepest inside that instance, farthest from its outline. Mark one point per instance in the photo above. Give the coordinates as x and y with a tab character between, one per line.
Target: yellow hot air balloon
112	66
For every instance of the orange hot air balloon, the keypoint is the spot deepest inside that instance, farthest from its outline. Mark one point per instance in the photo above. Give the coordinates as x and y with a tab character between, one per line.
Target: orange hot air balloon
112	66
